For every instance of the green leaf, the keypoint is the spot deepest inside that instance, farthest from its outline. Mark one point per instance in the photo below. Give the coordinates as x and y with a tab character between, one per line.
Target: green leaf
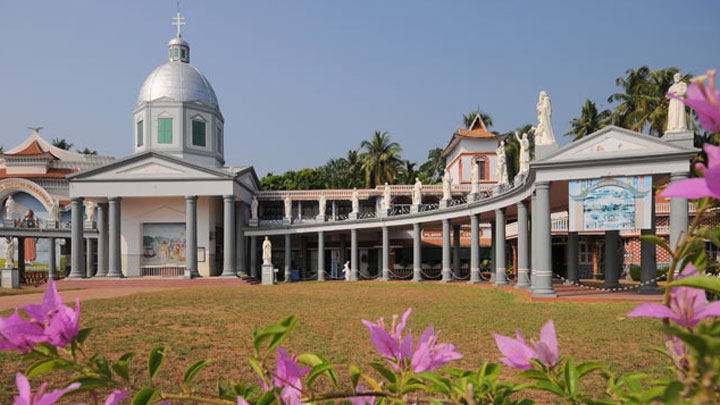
324	368
90	383
46	366
145	396
657	240
103	367
83	335
587	368
672	392
267	398
704	282
571	378
155	360
533	375
121	366
193	369
276	333
389	375
550	387
355	373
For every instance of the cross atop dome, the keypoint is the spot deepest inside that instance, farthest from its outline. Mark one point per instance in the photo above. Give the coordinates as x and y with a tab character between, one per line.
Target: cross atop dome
178	21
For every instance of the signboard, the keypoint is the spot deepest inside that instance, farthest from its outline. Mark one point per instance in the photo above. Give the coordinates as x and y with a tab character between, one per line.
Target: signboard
610	203
163	244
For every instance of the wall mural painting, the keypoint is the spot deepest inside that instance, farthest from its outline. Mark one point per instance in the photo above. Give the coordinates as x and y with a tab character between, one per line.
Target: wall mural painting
163	244
30	213
610	203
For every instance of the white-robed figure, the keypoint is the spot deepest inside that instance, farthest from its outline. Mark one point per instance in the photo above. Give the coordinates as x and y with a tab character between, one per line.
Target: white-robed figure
267	252
9	252
322	204
90	211
288	207
447	180
346	270
10	208
386	197
355	201
501	168
544	134
524	157
475	179
254	208
417	192
676	121
54	213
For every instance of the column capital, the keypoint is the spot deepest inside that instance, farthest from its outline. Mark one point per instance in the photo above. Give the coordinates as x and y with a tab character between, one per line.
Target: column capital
677	176
191	198
500	210
542	184
522	203
227	197
114	199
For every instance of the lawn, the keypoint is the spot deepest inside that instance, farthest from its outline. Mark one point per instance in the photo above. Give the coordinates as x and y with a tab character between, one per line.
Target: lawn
216	322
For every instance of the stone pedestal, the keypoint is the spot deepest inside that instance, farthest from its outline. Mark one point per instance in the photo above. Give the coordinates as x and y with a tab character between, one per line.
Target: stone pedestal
320	218
268	275
89	224
10	278
287	221
415	208
353	215
444	203
384	213
253	223
9	223
541	151
51	224
680	138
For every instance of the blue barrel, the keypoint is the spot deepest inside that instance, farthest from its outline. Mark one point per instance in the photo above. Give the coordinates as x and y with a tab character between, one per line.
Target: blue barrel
295	275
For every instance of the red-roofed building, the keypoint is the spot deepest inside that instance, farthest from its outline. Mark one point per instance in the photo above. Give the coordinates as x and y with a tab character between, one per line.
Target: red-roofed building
468	145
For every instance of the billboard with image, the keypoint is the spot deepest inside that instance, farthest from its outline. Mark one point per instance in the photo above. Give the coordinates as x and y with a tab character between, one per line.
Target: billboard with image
606	204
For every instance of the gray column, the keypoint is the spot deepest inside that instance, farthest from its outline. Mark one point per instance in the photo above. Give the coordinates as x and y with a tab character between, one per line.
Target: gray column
612	239
474	249
114	238
456	251
253	257
229	257
321	256
299	208
678	213
191	247
500	276
446	271
102	240
523	250
52	268
493	251
77	265
385	253
648	258
572	259
288	257
334	210
417	253
21	258
353	255
89	263
533	240
240	242
543	287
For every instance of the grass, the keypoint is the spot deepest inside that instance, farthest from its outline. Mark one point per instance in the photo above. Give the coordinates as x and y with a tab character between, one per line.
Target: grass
216	322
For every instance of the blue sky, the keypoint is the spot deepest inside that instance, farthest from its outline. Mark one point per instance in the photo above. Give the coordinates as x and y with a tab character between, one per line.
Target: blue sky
300	82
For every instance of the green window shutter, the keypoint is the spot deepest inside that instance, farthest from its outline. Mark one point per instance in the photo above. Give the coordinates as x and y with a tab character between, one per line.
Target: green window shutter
140	135
219	139
165	130
198	133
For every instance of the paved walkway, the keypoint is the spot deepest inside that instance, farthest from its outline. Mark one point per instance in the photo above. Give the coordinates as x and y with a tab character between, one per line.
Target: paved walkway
108	288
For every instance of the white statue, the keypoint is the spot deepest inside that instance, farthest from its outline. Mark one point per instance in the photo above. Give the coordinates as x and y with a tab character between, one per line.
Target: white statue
524	157
446	185
355	201
9	253
386	197
9	208
346	269
90	211
267	252
288	207
417	192
254	208
54	213
676	121
475	179
544	134
501	167
322	205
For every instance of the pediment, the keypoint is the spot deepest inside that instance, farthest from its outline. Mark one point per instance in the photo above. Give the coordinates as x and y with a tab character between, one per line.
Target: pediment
150	168
153	166
614	142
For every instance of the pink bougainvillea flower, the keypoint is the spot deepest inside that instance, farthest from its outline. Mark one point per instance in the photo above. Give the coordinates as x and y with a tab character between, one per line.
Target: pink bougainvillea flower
18	334
705	101
50	303
61	322
679	353
430	355
698	187
518	353
26	396
116	397
688	305
369	400
242	401
288	377
391	344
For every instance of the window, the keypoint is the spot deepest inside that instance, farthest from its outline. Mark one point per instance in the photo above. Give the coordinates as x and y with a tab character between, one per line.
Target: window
586	253
165	130
182	53
219	139
139	132
176	52
481	168
198	133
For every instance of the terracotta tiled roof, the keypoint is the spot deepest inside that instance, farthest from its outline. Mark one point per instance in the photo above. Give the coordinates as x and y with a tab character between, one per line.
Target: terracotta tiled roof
32	149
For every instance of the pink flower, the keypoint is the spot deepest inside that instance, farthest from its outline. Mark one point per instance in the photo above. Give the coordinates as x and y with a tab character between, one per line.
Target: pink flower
705	102
26	396
242	401
19	334
698	187
116	397
679	353
61	323
288	378
518	353
688	306
369	400
398	349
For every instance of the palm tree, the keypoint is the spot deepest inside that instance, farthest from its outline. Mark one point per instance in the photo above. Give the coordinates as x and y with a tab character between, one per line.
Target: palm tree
87	151
61	143
469	118
434	167
408	173
2	149
381	159
589	121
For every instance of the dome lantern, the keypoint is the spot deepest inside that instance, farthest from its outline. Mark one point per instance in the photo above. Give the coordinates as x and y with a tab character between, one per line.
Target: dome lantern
178	49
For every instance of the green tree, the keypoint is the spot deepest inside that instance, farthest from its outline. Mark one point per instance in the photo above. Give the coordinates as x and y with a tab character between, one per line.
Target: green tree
470	117
87	151
589	121
433	169
380	159
408	173
61	143
343	173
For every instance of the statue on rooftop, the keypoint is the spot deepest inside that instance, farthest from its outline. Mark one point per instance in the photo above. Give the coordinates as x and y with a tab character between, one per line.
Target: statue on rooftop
544	134
322	205
288	207
355	199
676	120
501	167
475	179
386	197
447	180
524	156
254	208
417	192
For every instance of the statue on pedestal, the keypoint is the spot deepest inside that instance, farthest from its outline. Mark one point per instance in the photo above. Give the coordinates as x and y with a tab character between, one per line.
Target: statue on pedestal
254	208
524	155
9	252
355	199
346	270
10	208
322	205
54	212
386	197
288	207
676	120
30	245
501	167
267	252
417	192
90	211
544	134
474	180
447	180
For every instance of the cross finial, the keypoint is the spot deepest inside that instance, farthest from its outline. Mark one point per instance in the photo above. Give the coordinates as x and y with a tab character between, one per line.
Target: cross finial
178	21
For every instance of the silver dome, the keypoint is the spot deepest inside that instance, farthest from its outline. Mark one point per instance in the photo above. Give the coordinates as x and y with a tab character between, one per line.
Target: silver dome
178	81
